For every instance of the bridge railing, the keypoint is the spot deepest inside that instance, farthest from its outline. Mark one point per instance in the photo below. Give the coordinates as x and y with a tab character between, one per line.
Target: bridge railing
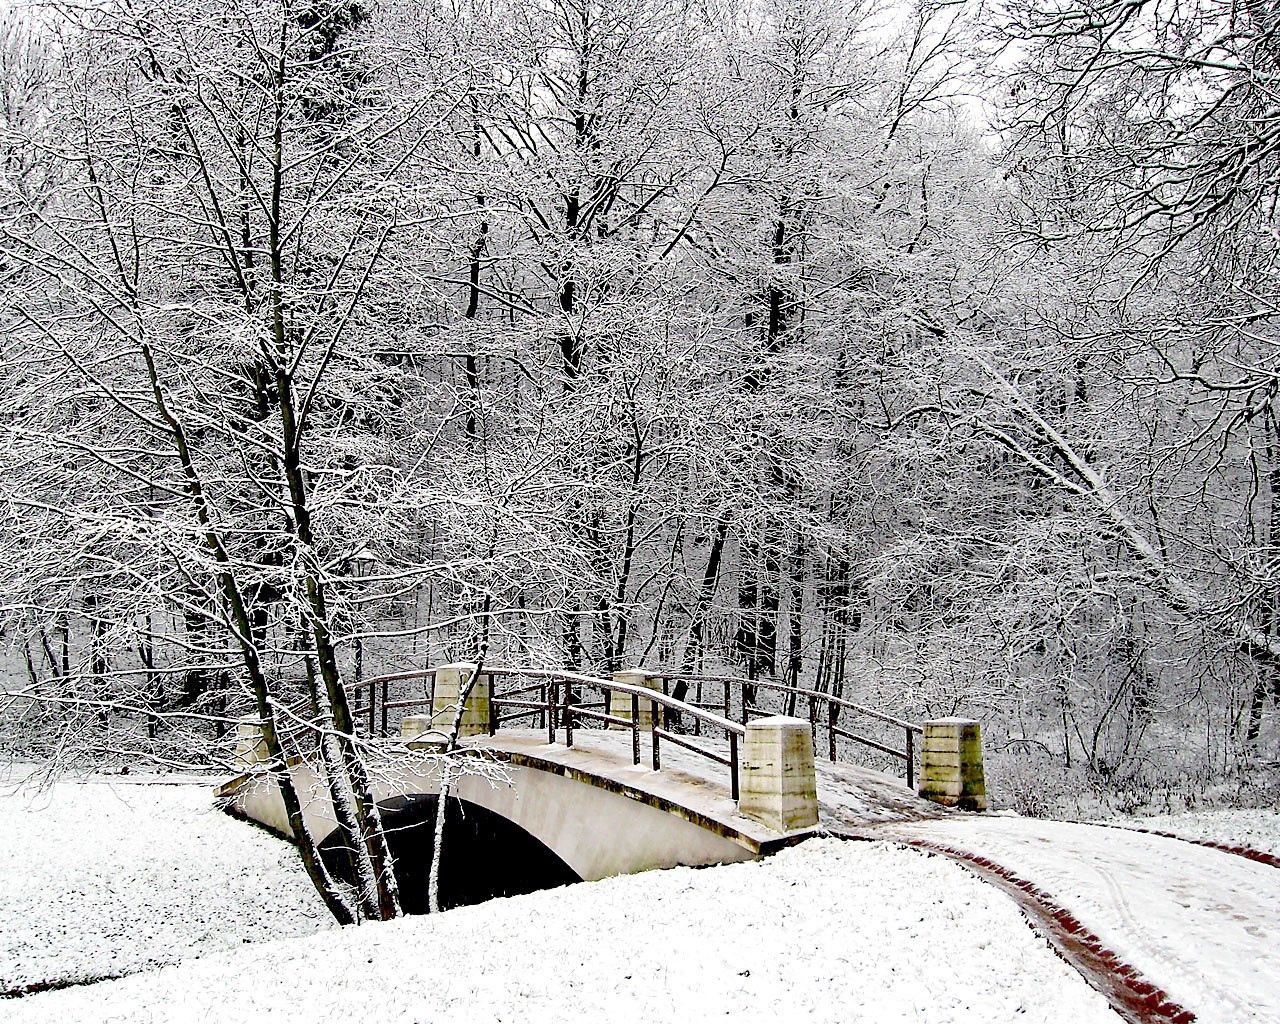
543	702
553	699
558	707
554	703
382	683
827	721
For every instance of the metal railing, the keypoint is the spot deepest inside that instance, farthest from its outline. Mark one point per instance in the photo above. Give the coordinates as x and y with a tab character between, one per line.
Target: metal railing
375	683
558	709
834	706
552	701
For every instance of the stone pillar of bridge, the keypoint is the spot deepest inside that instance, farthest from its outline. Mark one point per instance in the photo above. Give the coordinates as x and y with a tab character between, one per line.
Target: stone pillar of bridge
778	785
417	731
450	682
951	764
620	701
251	746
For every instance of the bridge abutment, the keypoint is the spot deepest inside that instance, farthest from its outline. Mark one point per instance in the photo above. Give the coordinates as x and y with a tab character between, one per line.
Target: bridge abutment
951	764
779	783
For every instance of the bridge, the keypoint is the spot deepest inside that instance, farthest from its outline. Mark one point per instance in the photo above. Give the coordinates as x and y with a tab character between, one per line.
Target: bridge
563	776
588	777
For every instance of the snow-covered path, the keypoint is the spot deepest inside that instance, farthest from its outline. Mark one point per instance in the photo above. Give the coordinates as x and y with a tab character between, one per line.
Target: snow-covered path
1201	924
1254	827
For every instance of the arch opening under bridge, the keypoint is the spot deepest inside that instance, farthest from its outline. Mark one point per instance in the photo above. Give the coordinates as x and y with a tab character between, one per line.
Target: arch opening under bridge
485	856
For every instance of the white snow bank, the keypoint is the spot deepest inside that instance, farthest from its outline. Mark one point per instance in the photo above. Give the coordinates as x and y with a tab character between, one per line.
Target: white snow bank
1201	924
828	931
104	879
1258	828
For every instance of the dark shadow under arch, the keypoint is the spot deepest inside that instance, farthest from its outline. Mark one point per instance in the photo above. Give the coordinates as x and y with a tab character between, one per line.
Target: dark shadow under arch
485	855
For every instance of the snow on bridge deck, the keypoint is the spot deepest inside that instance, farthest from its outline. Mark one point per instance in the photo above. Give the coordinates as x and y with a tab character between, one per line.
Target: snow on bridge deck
849	796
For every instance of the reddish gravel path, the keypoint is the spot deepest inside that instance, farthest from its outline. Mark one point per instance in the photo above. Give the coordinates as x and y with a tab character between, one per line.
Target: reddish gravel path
1247	852
1167	927
1131	995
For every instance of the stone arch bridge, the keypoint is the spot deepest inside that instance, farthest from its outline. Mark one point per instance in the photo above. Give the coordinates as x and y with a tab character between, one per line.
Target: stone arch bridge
599	777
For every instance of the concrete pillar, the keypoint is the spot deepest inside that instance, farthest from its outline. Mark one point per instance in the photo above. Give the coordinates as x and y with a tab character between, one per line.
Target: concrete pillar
951	764
778	784
620	702
417	731
450	681
251	746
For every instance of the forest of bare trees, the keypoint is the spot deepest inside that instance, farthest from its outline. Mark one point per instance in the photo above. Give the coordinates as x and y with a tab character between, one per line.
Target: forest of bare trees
921	353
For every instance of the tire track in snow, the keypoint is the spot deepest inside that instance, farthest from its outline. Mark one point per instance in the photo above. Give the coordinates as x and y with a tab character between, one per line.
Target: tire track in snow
1137	926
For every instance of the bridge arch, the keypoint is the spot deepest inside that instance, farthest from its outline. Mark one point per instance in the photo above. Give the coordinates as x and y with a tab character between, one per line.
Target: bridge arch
593	824
485	855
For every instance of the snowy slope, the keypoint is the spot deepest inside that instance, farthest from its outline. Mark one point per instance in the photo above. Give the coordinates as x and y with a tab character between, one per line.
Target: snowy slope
106	879
828	931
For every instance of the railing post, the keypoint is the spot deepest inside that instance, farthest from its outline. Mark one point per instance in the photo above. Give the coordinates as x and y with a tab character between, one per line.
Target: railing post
620	704
386	689
654	719
568	713
372	720
726	705
449	682
553	709
635	728
951	764
733	765
251	746
779	782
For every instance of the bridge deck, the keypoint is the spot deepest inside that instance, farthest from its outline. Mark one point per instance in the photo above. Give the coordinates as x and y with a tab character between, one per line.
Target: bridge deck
849	796
595	809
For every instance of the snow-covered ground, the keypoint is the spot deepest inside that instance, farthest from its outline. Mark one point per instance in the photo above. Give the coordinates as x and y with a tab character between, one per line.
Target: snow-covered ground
100	879
105	878
1201	924
1258	828
827	931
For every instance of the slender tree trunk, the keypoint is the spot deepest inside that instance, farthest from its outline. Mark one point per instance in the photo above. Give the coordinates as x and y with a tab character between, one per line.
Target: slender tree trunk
693	649
446	775
795	616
